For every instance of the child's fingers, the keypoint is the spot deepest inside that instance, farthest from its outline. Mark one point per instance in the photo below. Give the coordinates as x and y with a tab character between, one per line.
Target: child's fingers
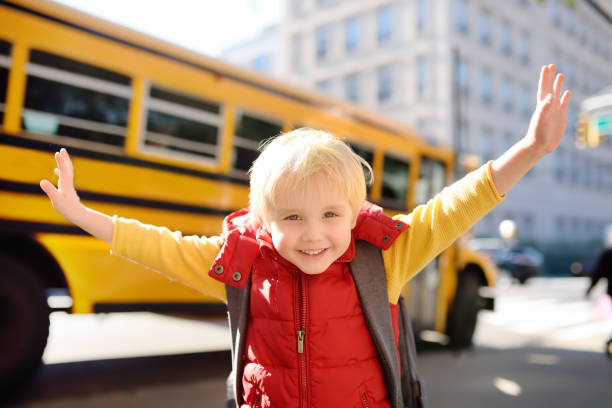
56	171
541	83
66	158
49	189
66	171
548	76
558	86
565	100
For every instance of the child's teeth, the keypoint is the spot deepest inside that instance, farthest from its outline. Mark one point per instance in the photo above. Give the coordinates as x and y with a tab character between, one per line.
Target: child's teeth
312	252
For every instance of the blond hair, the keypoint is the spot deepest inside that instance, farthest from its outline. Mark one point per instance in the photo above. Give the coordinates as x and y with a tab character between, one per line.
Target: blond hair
289	160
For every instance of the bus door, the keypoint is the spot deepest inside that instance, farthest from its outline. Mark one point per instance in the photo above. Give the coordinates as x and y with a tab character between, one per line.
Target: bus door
423	292
423	288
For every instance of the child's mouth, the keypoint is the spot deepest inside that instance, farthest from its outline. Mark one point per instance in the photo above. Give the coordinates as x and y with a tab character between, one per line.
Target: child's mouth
313	252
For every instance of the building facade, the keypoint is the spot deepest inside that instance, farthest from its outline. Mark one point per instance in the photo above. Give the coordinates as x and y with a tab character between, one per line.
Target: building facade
464	73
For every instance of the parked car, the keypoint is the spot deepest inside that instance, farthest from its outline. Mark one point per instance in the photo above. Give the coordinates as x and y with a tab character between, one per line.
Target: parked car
522	262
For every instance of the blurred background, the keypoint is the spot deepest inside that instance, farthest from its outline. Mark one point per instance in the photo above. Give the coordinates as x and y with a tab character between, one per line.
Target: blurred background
461	74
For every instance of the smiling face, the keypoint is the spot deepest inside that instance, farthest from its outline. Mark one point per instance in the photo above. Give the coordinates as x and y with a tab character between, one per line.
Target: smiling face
312	229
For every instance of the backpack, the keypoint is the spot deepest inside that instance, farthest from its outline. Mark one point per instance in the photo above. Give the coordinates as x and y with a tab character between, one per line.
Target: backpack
404	390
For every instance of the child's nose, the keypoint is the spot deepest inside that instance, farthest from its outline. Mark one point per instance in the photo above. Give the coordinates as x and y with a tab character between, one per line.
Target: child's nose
312	231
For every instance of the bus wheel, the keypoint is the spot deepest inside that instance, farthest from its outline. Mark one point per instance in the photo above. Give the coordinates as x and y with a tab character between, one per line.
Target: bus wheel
464	311
24	324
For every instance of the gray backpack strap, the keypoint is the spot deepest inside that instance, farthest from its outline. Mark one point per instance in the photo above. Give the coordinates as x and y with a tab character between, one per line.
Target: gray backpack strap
369	275
238	313
371	282
412	388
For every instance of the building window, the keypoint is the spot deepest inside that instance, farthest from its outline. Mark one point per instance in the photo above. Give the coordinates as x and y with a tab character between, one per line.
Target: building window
505	39
573	167
263	63
384	20
584	34
484	29
570	20
322	42
571	72
384	83
461	16
322	86
555	12
486	139
462	78
508	141
525	101
557	59
421	14
421	76
486	92
352	34
524	48
506	95
351	87
559	164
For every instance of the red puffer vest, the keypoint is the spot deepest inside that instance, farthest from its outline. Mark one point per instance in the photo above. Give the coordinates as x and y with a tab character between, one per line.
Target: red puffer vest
307	343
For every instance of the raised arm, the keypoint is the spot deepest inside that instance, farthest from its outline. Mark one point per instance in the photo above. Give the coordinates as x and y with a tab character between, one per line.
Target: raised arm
543	136
66	201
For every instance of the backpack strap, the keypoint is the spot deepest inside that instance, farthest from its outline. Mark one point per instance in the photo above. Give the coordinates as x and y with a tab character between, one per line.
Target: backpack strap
238	313
367	268
412	387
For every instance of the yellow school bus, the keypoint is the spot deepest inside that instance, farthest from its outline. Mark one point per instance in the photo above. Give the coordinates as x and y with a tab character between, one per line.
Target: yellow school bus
166	136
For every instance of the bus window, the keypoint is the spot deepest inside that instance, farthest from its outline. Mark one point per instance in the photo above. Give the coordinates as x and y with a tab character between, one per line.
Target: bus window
182	123
367	154
432	178
5	63
250	132
69	98
396	179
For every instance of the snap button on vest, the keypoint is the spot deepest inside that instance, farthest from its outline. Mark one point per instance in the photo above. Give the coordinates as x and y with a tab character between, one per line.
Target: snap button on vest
385	238
236	276
398	225
219	269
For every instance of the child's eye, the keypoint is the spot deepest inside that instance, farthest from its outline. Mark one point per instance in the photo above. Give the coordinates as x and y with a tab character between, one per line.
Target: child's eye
330	214
292	217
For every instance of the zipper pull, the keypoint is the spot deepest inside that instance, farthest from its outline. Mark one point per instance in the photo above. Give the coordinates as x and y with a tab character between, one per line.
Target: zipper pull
301	334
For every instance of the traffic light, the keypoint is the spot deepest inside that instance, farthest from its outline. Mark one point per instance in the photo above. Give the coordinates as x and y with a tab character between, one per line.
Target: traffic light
587	132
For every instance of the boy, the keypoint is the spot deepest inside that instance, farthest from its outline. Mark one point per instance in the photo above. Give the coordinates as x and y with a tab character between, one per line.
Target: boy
307	343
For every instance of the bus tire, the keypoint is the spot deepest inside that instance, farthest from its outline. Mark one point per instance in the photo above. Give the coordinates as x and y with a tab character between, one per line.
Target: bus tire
24	324
464	311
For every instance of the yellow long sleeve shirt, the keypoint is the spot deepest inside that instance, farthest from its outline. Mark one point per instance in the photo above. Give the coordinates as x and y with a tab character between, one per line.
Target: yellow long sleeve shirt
433	227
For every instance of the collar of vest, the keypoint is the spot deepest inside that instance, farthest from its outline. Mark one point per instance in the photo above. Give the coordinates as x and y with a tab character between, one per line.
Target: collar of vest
244	240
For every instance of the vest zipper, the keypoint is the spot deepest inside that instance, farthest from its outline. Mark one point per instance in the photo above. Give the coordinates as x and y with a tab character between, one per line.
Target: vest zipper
364	400
301	310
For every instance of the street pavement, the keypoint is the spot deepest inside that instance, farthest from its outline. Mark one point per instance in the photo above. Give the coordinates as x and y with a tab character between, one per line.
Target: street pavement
541	347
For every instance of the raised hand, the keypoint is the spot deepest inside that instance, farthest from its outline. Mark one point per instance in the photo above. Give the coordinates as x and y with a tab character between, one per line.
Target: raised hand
550	117
543	136
66	201
63	198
